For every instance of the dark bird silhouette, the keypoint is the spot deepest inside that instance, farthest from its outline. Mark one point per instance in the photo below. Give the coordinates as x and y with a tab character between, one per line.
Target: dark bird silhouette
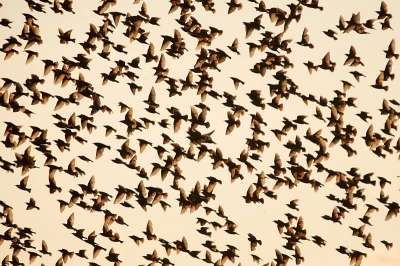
254	25
305	39
31	205
233	6
390	52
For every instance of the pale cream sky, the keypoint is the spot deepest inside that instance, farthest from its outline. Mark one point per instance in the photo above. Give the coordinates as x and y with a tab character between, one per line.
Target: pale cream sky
250	218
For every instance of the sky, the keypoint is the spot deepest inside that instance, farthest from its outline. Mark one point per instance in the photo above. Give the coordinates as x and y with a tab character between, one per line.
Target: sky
171	225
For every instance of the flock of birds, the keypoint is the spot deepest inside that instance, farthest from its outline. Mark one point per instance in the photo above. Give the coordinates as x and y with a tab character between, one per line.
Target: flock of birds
39	150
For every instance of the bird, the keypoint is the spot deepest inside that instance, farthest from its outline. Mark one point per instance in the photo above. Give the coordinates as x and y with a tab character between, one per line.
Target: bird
331	33
23	184
149	231
293	204
319	241
31	205
352	59
5	22
305	39
234	5
65	37
31	56
327	63
113	257
310	66
70	222
387	244
100	149
253	241
383	11
151	102
379	82
150	54
334	217
254	25
368	242
390	52
357	75
235	46
236	82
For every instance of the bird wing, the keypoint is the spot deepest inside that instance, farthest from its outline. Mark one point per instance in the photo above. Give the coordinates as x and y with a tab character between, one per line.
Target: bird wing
194	113
150	227
70	220
152	95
